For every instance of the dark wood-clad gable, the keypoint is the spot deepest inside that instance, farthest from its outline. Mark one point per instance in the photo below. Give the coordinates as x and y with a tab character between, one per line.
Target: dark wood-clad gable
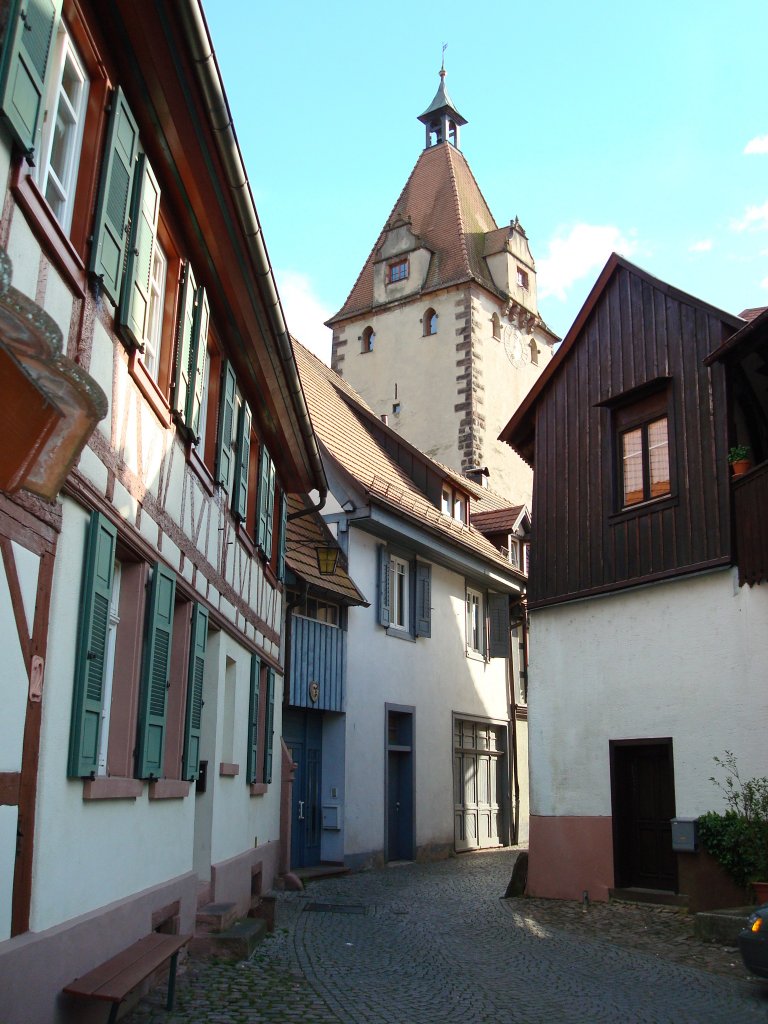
639	333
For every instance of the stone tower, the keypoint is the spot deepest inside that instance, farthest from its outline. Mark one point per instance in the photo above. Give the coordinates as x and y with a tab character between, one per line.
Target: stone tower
441	332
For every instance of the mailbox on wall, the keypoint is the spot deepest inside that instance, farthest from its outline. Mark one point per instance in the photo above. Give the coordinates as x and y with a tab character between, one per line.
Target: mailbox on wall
685	835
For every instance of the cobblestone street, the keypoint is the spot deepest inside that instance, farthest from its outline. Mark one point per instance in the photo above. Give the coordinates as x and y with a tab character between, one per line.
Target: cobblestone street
414	944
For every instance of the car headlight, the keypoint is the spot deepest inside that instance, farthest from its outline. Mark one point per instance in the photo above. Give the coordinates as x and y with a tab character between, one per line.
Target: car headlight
757	923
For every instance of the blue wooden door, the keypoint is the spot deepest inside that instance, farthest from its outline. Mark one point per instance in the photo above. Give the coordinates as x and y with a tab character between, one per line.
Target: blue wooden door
303	735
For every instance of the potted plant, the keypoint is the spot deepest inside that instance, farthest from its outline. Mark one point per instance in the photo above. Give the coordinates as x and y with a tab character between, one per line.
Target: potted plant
738	838
739	459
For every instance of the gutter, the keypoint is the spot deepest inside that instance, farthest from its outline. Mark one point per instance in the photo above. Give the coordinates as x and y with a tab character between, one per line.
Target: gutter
206	69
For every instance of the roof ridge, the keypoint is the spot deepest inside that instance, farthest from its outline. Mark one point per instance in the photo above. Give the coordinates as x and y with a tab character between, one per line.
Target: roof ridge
459	211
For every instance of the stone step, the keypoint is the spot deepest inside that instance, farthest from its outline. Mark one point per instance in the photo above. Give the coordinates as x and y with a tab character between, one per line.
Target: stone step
235	943
659	897
722	926
216	917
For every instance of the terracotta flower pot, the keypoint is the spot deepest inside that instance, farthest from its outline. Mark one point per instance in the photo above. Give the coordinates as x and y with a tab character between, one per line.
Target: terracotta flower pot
741	466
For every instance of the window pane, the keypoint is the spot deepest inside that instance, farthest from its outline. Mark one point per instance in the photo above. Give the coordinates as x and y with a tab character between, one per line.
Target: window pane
658	457
155	319
632	455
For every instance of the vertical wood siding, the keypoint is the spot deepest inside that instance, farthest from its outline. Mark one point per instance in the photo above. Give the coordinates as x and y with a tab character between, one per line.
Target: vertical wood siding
318	652
636	334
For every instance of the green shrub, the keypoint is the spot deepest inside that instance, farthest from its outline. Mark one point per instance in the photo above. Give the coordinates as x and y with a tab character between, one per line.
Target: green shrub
738	839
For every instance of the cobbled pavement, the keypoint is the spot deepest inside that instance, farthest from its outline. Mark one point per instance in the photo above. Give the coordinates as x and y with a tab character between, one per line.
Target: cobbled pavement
428	943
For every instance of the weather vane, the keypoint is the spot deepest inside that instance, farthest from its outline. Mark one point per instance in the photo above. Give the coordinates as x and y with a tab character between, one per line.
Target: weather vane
445	47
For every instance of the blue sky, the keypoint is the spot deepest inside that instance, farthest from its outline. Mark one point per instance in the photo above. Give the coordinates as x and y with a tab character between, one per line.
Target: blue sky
602	126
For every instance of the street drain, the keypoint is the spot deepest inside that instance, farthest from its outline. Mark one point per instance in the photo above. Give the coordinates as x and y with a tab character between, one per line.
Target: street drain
336	908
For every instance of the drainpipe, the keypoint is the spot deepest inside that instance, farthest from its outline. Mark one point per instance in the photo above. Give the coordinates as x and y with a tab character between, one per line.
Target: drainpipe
206	70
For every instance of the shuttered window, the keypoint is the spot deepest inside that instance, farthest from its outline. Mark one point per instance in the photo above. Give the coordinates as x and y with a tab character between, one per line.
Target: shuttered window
383	587
269	725
134	315
184	346
227	433
194	705
155	674
282	540
422	624
242	462
91	655
498	617
253	720
266	502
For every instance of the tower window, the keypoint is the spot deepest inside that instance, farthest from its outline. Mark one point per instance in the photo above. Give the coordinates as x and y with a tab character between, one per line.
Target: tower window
397	271
430	323
534	353
367	340
522	278
496	325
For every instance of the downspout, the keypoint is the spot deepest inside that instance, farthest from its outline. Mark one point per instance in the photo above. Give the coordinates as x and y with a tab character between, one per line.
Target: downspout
208	77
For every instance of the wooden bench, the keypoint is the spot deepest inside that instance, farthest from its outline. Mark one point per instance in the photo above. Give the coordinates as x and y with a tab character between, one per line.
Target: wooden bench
115	979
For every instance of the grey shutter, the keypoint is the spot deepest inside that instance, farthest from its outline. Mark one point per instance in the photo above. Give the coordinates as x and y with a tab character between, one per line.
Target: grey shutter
498	614
266	502
153	699
91	654
30	34
242	462
383	592
193	719
282	539
225	453
184	342
253	719
198	353
423	610
269	724
145	210
110	232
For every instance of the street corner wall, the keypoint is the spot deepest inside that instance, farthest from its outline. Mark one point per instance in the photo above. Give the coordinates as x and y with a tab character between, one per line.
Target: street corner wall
569	856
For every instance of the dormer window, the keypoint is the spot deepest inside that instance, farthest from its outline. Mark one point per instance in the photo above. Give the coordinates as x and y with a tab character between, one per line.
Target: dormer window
367	339
522	278
454	503
397	271
429	321
496	326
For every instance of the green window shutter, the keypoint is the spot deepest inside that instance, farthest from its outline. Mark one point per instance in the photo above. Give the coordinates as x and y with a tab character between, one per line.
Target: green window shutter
196	395
225	454
110	231
383	590
192	725
91	656
266	502
153	700
145	210
423	610
498	614
269	725
242	462
30	34
184	345
253	719
282	541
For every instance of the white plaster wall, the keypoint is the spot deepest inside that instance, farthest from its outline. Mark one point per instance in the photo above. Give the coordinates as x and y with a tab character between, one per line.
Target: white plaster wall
90	853
25	255
8	821
14	686
5	159
434	676
685	659
101	368
57	303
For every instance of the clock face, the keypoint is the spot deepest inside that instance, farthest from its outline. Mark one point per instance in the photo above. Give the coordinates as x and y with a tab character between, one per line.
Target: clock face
515	346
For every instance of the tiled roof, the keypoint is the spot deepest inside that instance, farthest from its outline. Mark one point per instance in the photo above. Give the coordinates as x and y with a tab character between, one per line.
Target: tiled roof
750	314
497	520
448	212
303	537
343	434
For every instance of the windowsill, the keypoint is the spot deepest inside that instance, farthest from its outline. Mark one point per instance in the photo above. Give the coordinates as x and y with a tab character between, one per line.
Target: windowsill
259	788
271	578
401	634
474	655
643	507
169	789
46	228
201	470
149	388
229	770
108	787
245	538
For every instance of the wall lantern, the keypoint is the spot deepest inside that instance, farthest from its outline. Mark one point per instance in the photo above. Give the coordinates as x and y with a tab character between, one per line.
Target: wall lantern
327	557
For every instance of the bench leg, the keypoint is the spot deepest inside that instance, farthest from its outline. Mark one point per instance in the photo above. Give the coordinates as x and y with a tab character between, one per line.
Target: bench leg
172	983
113	1013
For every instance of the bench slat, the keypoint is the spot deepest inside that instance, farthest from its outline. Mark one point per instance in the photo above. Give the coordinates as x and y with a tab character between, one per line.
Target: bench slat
114	979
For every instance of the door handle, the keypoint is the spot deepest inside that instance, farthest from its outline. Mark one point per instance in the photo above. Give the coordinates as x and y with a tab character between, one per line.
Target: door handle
301	810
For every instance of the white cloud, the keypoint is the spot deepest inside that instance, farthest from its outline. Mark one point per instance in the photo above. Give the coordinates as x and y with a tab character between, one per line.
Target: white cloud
704	246
755	219
576	255
757	145
304	313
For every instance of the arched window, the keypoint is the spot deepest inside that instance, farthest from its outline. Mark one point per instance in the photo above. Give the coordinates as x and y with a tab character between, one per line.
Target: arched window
429	320
496	324
534	353
367	340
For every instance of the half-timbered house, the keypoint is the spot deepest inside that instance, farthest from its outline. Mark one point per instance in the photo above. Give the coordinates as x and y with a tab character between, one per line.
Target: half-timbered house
142	608
646	657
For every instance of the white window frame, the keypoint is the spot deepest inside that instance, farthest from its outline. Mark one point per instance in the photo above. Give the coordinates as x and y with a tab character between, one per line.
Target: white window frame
399	585
157	285
109	670
56	99
475	622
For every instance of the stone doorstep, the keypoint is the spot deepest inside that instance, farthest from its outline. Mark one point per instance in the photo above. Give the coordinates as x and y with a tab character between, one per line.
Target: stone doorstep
235	943
722	926
215	917
659	897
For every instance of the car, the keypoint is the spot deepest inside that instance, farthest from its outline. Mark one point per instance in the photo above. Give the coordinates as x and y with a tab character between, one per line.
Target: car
753	942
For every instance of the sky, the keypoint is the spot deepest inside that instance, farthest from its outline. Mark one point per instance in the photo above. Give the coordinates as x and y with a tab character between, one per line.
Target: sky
640	129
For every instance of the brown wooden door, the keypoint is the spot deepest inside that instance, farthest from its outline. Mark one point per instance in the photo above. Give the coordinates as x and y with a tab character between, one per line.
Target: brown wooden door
643	806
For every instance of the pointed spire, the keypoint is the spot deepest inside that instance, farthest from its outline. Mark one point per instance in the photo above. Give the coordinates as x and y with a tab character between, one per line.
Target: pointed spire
441	118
